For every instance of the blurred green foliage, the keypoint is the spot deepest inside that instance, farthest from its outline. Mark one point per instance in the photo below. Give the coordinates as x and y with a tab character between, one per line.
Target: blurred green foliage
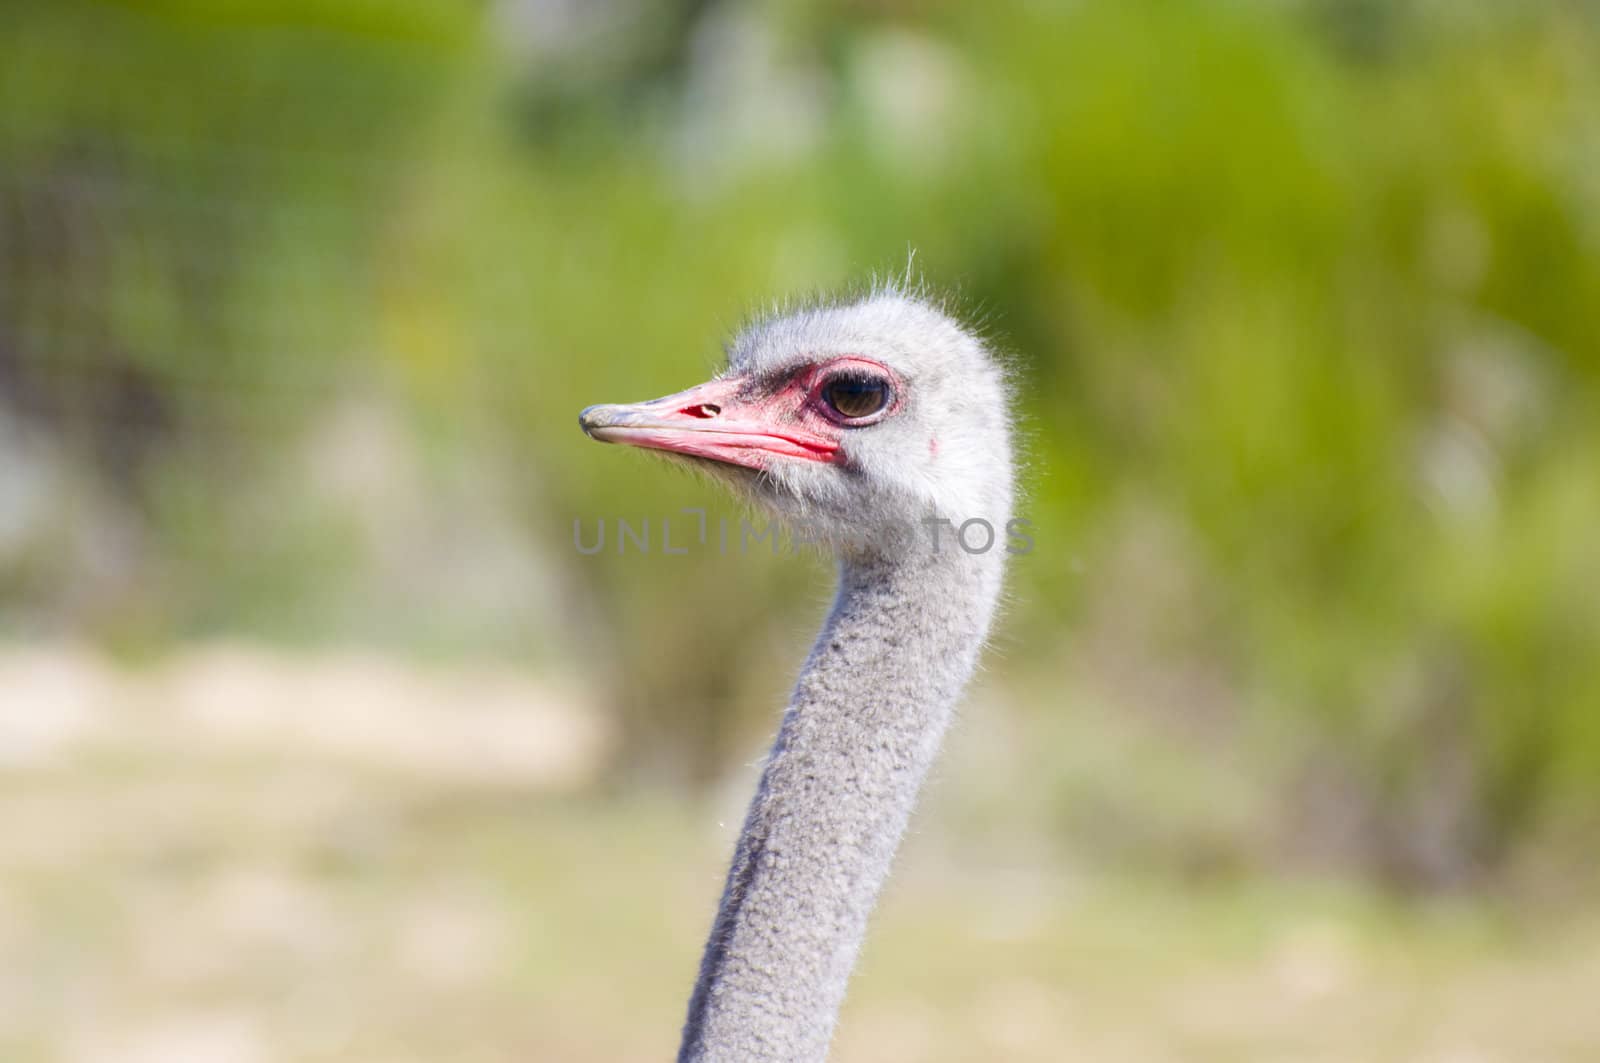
1301	298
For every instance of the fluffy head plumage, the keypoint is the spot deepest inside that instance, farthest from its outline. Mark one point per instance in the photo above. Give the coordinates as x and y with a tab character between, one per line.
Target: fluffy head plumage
942	449
944	453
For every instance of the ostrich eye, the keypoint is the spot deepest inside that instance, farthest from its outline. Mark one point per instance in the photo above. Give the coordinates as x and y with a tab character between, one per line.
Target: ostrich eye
856	396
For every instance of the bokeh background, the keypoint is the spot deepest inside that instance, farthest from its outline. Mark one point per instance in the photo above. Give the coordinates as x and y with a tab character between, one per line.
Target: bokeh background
319	740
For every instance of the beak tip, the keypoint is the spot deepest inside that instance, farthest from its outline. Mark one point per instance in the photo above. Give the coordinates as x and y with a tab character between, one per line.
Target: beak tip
591	418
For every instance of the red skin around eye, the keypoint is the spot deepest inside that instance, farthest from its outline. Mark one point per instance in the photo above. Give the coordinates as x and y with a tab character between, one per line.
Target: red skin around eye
816	377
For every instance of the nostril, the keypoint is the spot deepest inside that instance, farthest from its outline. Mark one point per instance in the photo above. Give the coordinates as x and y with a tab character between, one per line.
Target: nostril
704	410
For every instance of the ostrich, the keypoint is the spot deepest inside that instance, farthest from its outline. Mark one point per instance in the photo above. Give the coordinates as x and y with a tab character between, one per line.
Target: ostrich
880	425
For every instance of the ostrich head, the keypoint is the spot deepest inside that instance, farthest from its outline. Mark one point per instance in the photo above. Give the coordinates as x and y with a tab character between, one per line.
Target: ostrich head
857	422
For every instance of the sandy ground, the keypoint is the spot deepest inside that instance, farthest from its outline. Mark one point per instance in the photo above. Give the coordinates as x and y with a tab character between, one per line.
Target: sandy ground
365	710
244	856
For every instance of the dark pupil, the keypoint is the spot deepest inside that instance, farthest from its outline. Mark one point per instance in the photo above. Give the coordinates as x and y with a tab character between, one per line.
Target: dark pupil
853	397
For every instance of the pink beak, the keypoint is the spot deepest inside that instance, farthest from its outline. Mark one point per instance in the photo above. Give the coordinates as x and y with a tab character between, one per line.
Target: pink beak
710	422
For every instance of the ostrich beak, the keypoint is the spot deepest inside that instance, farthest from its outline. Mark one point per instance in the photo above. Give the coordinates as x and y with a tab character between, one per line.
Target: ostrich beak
712	422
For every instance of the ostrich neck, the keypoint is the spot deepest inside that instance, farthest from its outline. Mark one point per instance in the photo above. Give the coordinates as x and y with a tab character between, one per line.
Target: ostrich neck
863	727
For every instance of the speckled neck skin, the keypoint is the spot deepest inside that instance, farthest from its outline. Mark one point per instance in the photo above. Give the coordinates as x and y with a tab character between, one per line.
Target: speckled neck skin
866	720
